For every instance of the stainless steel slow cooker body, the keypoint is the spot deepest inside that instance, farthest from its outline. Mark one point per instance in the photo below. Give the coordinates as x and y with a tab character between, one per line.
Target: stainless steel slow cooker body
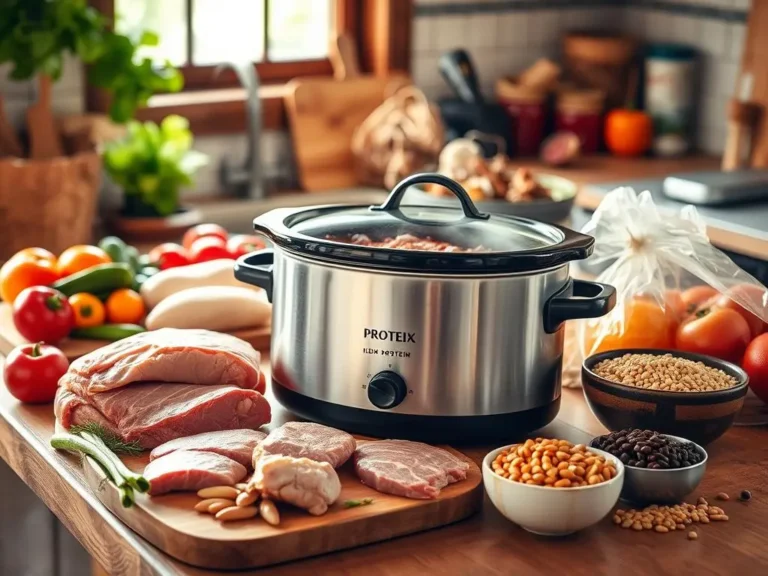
435	346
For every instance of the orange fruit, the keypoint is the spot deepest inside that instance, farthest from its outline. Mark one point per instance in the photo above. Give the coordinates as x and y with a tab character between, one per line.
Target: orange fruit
646	325
36	254
79	258
125	306
89	310
21	272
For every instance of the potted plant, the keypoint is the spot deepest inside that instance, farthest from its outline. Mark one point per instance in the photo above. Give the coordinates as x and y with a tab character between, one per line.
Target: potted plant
152	164
49	199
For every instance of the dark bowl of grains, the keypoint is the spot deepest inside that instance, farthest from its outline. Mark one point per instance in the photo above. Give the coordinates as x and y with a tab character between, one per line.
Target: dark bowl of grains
659	468
679	393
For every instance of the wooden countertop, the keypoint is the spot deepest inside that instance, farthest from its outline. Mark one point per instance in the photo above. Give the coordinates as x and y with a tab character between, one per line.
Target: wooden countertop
486	543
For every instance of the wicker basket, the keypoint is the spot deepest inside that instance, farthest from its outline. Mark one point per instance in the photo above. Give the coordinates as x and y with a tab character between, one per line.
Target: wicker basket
48	203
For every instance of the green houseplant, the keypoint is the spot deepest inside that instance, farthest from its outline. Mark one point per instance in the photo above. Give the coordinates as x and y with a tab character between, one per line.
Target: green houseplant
151	164
36	34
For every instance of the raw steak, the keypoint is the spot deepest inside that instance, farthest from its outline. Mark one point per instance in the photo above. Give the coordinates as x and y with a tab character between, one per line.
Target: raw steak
235	444
167	355
155	413
409	469
309	440
305	483
191	470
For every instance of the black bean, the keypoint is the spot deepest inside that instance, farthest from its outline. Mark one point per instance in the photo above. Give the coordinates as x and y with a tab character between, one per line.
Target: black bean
745	495
632	463
626	446
624	457
674	463
637	448
686	463
653	466
646	449
641	464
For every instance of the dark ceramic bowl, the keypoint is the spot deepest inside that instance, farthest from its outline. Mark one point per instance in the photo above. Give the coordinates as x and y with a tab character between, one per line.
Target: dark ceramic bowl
698	416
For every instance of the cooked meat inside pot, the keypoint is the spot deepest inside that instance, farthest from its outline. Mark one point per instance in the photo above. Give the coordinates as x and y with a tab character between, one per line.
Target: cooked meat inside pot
405	242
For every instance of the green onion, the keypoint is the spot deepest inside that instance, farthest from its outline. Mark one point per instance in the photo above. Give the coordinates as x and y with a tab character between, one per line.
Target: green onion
134	480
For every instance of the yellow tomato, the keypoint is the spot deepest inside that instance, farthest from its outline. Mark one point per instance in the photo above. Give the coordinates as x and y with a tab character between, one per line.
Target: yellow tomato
89	311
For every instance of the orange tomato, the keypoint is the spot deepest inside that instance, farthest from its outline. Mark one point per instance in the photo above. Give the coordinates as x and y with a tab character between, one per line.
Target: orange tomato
89	311
22	272
628	132
696	296
36	254
646	325
125	307
78	258
754	294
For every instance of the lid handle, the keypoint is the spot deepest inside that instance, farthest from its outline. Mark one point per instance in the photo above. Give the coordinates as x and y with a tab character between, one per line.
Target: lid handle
392	203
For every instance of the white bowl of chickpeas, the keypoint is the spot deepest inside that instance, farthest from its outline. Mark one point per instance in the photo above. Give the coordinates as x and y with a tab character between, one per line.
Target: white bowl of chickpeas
552	487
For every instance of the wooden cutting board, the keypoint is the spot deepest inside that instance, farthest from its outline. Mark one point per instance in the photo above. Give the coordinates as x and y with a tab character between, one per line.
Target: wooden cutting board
323	113
170	523
259	338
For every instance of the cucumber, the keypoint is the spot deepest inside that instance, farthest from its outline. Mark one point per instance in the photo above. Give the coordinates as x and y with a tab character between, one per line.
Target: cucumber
115	248
111	332
97	279
132	258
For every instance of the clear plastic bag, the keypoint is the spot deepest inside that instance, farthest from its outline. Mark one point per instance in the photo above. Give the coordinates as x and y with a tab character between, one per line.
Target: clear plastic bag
652	256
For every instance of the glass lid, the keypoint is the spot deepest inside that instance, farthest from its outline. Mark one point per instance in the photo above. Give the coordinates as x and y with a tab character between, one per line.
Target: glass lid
431	238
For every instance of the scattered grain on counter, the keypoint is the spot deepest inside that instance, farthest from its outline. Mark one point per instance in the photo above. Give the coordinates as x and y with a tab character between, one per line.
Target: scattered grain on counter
664	519
663	372
723	496
692	535
745	495
553	463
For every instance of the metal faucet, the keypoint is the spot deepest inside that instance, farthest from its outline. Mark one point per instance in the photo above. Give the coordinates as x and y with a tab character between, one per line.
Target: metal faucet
246	181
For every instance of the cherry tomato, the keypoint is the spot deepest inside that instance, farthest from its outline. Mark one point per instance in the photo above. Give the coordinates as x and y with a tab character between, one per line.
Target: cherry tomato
203	231
125	306
168	255
89	310
23	271
32	372
79	258
753	294
719	332
43	314
243	244
208	248
755	363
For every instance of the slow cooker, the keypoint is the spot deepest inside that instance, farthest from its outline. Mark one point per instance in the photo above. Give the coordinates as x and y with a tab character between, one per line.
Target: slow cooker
422	322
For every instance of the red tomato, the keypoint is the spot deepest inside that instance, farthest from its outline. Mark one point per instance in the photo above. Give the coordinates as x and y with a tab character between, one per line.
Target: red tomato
753	294
208	248
243	244
168	255
42	314
203	231
719	332
32	372
755	364
696	296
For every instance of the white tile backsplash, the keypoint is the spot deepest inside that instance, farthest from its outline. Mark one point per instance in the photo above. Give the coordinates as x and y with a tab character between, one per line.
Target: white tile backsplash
737	35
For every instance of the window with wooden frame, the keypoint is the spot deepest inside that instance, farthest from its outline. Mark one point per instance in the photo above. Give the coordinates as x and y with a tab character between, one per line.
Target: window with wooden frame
283	38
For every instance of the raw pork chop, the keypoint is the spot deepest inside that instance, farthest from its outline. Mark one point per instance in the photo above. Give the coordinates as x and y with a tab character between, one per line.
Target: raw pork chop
302	482
310	440
155	413
409	469
167	355
235	444
188	470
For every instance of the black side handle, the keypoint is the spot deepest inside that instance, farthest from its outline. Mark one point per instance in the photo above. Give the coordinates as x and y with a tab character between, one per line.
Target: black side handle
392	203
578	299
256	269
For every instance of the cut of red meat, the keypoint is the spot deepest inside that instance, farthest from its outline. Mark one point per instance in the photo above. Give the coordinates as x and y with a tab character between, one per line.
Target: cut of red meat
167	355
409	469
155	413
310	440
235	444
192	470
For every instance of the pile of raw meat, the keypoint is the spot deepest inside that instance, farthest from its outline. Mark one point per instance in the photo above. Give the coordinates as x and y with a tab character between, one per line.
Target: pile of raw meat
297	464
165	384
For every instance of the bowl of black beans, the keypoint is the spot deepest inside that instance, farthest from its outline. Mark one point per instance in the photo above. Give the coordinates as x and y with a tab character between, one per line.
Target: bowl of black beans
659	468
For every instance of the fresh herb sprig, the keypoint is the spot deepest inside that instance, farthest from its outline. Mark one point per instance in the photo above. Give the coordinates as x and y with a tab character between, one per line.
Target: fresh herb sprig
356	503
113	442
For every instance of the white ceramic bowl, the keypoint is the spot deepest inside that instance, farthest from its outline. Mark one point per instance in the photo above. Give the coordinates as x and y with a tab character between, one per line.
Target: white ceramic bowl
552	511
